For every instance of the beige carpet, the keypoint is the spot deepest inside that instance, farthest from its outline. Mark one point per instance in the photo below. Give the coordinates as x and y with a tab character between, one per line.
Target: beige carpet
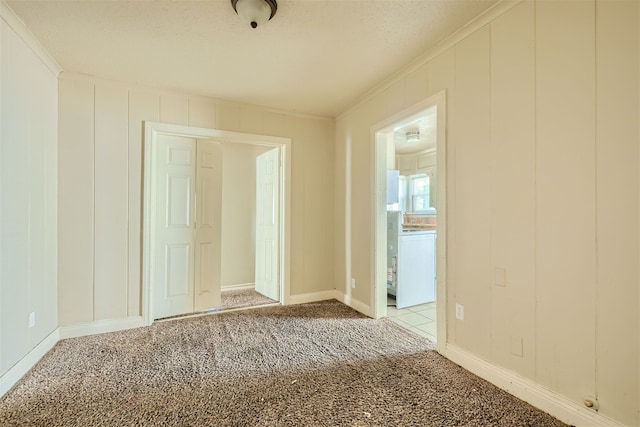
319	364
243	298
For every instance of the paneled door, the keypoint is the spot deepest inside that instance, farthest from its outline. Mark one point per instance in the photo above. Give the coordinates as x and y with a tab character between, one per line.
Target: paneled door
208	235
173	264
267	220
185	272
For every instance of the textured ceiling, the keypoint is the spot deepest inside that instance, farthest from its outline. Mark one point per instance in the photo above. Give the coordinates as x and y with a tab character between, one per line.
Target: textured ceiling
315	57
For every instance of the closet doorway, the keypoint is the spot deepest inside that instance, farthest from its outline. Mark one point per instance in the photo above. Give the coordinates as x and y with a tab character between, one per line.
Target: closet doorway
183	221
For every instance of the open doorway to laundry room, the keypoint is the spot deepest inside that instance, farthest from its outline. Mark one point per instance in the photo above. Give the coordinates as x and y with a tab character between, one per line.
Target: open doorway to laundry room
215	232
410	225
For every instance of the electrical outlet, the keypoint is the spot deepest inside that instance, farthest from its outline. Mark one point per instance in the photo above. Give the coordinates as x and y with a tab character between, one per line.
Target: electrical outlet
353	283
459	311
32	319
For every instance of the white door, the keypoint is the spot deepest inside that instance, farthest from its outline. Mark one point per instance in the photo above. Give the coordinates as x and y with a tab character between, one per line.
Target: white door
172	272
187	226
208	224
267	221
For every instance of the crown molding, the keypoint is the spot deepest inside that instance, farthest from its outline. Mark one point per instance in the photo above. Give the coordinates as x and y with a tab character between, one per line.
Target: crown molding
15	23
475	24
164	90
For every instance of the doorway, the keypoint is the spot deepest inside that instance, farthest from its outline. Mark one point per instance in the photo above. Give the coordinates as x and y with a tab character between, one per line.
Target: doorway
425	170
182	223
186	225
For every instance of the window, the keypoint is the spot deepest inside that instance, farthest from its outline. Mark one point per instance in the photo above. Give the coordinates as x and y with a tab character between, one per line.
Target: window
419	188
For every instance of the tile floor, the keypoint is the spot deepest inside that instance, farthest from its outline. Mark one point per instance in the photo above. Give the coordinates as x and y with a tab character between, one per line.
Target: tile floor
420	319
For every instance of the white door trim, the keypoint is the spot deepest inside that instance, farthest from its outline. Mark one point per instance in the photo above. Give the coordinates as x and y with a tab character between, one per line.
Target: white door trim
378	161
151	131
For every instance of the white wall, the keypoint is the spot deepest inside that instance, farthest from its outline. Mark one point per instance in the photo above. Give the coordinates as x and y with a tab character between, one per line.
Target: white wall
542	181
28	185
100	189
239	213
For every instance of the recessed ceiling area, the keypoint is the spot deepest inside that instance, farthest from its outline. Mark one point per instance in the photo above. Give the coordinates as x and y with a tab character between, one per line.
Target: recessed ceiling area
315	56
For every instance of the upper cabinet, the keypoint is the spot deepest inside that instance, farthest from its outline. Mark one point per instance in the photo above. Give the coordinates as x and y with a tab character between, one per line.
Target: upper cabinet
406	164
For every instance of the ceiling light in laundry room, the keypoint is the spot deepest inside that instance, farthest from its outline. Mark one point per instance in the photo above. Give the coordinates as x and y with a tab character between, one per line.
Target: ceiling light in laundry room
413	136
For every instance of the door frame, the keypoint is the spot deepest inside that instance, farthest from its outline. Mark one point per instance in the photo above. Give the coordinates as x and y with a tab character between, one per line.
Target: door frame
378	181
151	131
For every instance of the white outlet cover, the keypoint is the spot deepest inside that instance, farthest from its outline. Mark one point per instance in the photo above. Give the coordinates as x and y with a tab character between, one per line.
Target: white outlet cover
32	319
459	311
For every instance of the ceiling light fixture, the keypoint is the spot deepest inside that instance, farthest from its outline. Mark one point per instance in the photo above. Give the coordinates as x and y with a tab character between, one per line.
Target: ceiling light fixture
413	136
255	12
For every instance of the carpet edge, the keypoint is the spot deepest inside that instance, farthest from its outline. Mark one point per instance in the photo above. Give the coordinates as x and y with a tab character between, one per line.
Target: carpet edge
26	363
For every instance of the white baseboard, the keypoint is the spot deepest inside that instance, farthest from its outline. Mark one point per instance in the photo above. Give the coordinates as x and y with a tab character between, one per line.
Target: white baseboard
354	303
13	375
238	287
531	392
100	327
